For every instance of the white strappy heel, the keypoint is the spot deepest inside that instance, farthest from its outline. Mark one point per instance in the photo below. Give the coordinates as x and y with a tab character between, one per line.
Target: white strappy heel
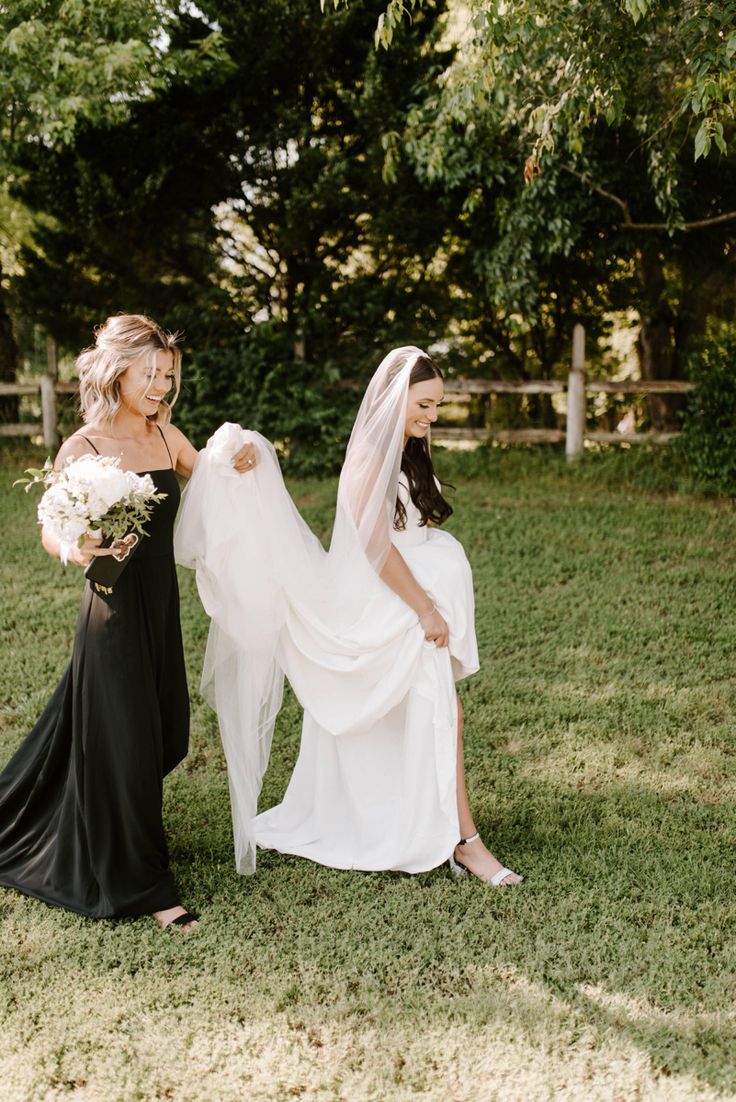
497	880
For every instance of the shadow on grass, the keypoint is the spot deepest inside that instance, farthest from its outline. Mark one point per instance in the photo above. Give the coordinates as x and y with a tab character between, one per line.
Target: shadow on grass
619	939
617	948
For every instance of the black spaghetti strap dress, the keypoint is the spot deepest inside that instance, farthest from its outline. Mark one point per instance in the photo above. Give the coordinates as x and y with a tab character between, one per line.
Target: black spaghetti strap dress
81	800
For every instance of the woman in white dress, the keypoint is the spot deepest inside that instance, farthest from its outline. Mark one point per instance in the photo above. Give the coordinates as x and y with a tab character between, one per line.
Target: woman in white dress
372	636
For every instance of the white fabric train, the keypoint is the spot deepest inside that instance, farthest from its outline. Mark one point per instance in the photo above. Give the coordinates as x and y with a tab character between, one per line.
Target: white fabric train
374	787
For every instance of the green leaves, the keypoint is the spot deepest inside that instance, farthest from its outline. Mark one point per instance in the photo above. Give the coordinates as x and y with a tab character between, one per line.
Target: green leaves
562	68
709	427
637	8
709	132
84	61
37	474
87	61
389	20
702	141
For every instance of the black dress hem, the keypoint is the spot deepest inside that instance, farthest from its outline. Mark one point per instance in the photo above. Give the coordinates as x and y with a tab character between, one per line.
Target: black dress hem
81	800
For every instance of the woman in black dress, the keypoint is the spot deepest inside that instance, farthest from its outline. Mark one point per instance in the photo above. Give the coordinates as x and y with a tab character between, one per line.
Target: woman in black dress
81	800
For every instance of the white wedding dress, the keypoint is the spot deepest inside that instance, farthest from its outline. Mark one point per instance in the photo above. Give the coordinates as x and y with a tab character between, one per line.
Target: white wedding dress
384	797
374	784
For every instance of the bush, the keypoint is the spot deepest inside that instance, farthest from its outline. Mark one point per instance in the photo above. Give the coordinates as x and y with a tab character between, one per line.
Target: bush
708	442
255	381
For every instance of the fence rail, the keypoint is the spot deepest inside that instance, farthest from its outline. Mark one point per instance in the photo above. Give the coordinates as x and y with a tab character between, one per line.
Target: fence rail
559	386
49	388
576	387
21	389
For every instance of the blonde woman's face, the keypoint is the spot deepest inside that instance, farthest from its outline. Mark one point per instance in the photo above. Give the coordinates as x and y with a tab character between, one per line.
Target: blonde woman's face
147	381
422	407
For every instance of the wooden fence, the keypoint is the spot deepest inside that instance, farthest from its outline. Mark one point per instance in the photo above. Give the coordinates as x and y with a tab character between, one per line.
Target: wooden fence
49	387
577	388
574	435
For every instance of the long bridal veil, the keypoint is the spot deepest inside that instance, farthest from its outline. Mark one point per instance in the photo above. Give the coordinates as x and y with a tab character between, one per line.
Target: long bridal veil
280	604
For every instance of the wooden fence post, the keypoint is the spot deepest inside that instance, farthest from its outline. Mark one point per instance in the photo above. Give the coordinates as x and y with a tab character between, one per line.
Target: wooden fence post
52	358
576	397
48	396
48	411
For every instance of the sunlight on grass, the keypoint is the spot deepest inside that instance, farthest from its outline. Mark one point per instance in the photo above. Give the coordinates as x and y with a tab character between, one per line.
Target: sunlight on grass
640	1010
593	766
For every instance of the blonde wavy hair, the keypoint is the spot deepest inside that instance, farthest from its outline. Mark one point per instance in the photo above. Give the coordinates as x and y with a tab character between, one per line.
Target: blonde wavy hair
118	343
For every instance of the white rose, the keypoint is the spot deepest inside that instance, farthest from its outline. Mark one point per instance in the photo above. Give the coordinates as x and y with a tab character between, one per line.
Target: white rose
56	510
98	482
141	484
71	530
107	489
95	506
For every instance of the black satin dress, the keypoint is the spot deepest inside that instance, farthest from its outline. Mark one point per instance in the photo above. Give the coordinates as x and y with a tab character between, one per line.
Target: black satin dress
81	800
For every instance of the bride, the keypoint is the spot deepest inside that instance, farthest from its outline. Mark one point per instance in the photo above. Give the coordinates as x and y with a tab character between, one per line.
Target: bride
372	635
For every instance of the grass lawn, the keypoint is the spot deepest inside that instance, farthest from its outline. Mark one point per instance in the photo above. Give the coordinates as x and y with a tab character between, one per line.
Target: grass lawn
600	754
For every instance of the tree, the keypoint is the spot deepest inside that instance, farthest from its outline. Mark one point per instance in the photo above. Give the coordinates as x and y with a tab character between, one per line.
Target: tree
622	117
562	67
323	235
64	63
247	205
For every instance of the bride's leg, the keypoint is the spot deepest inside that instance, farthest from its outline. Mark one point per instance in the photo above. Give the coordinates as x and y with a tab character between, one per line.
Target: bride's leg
475	856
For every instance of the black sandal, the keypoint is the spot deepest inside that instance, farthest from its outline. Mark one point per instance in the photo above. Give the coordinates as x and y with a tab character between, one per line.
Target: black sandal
182	920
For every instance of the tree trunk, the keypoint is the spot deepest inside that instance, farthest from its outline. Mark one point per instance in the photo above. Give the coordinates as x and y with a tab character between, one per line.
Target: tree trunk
8	361
656	339
548	341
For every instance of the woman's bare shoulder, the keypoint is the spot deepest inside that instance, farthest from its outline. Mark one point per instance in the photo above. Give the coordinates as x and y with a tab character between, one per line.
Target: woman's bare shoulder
175	439
75	446
173	434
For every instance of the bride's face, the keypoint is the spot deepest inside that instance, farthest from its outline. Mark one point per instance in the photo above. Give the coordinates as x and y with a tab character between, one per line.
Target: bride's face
422	407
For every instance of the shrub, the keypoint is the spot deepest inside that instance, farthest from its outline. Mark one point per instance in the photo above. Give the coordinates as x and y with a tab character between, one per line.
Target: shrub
255	381
708	441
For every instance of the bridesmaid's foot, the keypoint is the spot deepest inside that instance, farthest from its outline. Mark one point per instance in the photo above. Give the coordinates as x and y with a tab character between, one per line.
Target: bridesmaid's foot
478	860
169	917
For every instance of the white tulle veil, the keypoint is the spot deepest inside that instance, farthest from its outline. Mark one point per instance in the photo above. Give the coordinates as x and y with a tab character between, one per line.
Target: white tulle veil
280	604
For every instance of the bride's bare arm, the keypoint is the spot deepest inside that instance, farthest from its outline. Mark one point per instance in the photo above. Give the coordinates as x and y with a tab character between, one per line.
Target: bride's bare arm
397	576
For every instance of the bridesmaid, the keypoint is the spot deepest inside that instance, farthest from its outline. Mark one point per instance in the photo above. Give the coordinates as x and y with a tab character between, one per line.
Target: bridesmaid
81	800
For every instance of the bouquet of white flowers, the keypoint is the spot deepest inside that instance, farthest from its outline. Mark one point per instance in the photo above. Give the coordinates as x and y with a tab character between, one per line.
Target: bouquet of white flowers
93	495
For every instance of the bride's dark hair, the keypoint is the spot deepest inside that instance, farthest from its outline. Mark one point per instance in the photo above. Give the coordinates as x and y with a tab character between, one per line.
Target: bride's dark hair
416	464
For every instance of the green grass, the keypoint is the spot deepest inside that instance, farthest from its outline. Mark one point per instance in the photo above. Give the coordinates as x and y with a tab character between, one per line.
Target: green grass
600	753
